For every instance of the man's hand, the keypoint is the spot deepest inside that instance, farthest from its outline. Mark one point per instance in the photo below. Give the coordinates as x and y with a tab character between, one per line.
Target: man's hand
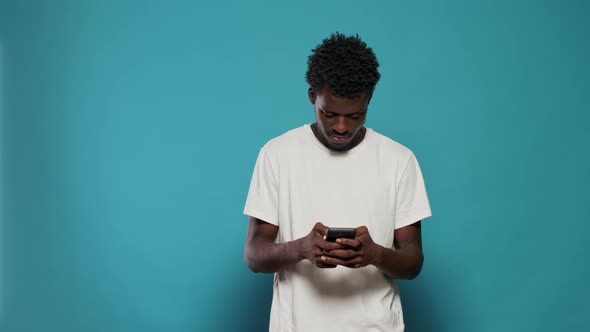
405	262
313	246
358	252
262	254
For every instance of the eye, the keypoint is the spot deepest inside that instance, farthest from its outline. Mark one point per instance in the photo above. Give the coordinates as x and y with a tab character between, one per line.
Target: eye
330	115
356	116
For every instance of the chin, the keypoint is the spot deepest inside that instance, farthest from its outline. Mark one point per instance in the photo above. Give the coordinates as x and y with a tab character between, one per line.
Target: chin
340	148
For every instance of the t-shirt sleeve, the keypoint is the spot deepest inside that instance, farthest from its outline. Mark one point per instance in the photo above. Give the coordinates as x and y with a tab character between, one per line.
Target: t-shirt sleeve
262	200
412	203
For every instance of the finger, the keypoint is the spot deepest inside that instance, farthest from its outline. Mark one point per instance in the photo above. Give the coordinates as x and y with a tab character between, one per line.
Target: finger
352	263
343	254
361	230
344	262
320	228
324	262
329	245
353	243
318	253
320	259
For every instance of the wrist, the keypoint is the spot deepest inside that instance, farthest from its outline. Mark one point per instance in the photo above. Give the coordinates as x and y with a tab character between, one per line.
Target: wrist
297	251
376	255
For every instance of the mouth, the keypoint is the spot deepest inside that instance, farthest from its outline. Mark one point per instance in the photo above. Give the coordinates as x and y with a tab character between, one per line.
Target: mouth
339	139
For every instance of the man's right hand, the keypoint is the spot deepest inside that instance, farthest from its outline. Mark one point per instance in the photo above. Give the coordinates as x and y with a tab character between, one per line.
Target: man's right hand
262	254
313	246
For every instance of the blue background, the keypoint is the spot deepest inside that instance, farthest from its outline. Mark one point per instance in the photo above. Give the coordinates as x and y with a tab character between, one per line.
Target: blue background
130	130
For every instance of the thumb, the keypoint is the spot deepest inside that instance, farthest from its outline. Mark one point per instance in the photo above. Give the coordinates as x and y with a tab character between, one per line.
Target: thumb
321	228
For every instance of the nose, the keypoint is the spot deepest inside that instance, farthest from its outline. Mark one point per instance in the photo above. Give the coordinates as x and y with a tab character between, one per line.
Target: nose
340	126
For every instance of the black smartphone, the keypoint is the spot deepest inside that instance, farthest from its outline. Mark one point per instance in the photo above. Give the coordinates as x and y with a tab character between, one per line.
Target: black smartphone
339	233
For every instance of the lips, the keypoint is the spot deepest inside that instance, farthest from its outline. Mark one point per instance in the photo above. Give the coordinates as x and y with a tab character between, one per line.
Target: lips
339	139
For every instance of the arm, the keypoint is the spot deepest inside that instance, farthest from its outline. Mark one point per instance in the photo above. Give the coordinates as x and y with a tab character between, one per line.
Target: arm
406	261
262	254
403	263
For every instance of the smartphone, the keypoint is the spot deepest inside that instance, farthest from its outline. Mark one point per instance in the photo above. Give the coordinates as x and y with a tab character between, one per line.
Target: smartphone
339	233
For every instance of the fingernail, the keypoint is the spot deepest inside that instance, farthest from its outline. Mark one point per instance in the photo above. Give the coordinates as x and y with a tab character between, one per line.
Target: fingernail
338	241
323	258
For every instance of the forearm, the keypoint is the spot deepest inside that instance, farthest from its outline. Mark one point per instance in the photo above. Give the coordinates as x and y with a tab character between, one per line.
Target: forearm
403	263
264	256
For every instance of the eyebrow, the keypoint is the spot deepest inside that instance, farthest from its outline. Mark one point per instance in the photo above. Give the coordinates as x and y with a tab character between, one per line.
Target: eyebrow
327	111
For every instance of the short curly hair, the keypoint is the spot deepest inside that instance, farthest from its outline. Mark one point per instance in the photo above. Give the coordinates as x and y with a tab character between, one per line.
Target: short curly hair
344	65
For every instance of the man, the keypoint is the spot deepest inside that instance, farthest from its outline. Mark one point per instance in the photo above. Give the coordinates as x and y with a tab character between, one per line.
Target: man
337	173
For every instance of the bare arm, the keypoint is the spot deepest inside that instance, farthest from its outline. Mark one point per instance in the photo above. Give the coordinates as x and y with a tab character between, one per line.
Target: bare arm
406	261
403	263
262	254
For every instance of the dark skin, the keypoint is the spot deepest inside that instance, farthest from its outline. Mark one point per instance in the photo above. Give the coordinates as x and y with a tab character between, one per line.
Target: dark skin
340	127
340	121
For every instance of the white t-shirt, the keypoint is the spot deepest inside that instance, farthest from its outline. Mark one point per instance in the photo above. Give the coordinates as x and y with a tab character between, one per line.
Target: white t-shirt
297	182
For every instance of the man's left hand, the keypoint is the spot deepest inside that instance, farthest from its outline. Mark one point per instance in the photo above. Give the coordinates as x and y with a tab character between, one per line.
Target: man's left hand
361	251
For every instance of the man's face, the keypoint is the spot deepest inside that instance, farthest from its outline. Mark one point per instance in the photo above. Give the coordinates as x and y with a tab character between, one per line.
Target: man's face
339	120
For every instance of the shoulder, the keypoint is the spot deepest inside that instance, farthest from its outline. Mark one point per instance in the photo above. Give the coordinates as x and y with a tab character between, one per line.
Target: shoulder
287	141
388	146
397	157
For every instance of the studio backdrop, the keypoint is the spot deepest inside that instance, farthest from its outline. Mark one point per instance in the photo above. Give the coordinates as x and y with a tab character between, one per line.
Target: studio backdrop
130	131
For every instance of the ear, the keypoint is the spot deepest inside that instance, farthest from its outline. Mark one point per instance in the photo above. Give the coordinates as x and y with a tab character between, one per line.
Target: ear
311	94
